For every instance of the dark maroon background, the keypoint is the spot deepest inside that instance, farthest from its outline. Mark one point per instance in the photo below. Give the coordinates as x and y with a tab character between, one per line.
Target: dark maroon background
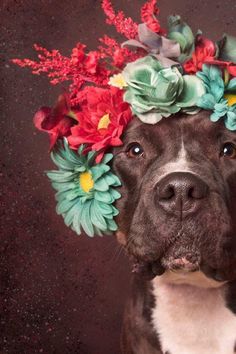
59	293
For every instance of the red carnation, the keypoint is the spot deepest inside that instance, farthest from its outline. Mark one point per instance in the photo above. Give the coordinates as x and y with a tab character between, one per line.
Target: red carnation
56	121
102	119
205	51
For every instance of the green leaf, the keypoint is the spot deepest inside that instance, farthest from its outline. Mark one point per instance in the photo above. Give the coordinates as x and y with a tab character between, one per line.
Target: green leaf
227	48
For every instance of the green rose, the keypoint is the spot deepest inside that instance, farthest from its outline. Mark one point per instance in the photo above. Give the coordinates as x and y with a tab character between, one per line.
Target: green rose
155	92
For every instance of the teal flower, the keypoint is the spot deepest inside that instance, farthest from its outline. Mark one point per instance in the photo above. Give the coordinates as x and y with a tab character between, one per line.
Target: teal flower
223	110
220	97
155	92
214	84
230	119
85	192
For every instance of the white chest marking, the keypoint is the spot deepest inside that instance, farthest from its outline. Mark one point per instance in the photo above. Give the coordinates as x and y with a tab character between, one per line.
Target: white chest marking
193	320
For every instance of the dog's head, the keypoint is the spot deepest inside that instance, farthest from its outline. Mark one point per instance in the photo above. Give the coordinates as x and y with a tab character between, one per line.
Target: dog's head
178	190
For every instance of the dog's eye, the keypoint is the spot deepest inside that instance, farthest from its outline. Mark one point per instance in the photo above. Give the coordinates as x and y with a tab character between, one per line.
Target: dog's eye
229	151
135	150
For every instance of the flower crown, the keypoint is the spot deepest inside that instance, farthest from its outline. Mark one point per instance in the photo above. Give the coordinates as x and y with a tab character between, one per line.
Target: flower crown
153	74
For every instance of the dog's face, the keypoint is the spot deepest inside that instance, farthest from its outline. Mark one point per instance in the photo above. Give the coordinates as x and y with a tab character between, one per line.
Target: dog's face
178	205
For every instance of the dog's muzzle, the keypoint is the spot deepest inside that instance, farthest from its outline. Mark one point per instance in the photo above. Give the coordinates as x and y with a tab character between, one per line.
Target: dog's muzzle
181	193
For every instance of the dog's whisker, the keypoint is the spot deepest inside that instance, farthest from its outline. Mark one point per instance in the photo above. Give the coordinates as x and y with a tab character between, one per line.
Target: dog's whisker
116	253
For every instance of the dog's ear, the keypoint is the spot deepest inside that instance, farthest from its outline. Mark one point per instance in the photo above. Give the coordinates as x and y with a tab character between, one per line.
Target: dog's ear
121	238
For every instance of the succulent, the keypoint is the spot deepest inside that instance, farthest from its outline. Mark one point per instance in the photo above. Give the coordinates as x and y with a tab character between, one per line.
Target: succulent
155	92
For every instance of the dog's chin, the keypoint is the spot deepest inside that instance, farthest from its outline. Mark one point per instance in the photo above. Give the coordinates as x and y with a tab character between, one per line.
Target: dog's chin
150	270
184	262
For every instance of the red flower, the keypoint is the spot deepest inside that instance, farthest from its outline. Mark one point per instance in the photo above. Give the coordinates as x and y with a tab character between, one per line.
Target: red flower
149	11
205	50
102	119
56	121
123	25
92	62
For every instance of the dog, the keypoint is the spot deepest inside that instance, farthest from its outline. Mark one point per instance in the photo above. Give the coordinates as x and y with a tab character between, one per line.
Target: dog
177	223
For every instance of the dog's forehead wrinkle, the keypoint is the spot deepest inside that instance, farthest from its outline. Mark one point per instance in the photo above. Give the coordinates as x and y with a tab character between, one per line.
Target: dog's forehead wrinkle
166	133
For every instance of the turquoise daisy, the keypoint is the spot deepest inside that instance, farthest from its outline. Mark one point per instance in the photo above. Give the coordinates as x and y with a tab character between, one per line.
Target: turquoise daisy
85	192
220	96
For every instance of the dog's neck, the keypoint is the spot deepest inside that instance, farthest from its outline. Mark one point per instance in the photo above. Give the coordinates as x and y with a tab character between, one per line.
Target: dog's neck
190	315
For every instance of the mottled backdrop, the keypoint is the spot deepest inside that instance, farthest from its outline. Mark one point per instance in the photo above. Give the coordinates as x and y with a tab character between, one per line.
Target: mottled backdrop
59	293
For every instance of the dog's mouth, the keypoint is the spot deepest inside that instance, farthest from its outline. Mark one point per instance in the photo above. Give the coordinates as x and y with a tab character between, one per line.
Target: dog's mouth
181	264
184	257
185	262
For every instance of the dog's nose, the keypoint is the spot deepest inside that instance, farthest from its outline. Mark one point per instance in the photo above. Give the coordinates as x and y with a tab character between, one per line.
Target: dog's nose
181	193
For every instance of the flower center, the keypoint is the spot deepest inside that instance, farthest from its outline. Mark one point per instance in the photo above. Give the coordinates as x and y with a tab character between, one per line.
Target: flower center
86	181
118	81
104	122
231	98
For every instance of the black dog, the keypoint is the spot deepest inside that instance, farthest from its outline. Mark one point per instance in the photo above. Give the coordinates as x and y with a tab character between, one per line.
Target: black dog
177	222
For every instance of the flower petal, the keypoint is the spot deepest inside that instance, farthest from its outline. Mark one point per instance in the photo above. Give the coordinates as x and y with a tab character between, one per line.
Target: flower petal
97	218
86	219
193	89
101	185
112	226
103	197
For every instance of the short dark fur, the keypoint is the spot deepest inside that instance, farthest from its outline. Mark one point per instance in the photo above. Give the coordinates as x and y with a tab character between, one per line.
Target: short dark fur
154	237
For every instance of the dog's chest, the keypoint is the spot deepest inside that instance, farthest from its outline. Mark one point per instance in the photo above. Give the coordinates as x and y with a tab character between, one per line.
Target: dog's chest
193	320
